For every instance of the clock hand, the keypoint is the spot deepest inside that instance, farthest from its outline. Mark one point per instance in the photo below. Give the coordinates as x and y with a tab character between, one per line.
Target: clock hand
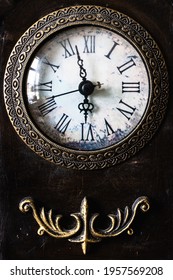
86	106
82	72
61	94
85	88
68	92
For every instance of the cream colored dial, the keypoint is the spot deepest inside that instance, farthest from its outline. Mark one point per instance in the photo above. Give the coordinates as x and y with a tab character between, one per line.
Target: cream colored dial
109	71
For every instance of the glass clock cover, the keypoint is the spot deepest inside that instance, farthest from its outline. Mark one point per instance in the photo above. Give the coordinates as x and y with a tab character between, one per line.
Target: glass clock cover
87	88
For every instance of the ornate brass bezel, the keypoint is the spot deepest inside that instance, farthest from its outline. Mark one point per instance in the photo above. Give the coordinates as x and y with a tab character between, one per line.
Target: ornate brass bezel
85	15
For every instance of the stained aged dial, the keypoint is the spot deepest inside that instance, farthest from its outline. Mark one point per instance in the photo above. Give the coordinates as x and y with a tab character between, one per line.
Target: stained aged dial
87	88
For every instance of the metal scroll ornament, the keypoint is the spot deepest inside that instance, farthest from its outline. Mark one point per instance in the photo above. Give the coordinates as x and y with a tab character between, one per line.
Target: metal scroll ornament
84	230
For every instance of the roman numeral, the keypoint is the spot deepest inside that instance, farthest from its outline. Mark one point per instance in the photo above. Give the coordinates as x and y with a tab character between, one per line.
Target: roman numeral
111	50
67	47
53	66
63	124
47	107
43	87
130	87
87	132
109	129
89	44
126	109
126	66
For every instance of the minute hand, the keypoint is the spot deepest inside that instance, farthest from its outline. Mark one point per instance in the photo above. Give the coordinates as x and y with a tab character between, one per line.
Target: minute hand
64	93
61	94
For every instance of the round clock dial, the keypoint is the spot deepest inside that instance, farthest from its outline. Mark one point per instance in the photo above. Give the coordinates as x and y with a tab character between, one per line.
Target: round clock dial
86	87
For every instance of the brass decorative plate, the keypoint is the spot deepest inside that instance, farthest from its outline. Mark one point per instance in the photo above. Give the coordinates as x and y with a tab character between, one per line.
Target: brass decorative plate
138	126
84	230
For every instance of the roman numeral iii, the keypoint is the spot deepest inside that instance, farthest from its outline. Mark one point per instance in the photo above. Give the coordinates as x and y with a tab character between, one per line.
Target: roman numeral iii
130	87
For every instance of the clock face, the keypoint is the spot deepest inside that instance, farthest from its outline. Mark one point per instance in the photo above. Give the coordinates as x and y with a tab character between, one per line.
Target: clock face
87	88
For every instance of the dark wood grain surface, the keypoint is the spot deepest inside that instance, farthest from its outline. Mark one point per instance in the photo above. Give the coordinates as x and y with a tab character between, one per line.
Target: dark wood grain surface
150	172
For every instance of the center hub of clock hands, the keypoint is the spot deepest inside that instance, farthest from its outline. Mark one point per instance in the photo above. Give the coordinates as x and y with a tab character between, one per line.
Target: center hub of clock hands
86	88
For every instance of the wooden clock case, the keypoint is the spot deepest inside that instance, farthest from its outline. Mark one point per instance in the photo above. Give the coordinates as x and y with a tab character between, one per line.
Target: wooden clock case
149	172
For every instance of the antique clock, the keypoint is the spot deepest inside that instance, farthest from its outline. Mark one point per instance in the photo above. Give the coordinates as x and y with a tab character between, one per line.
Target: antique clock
86	88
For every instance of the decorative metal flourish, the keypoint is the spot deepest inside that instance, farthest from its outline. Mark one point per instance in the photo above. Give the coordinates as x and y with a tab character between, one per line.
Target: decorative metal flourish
84	230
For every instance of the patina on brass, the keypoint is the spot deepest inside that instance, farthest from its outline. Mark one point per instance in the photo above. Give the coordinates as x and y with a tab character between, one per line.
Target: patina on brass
84	230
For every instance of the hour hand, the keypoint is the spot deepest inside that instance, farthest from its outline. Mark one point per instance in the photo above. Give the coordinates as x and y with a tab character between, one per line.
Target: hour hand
86	88
86	107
